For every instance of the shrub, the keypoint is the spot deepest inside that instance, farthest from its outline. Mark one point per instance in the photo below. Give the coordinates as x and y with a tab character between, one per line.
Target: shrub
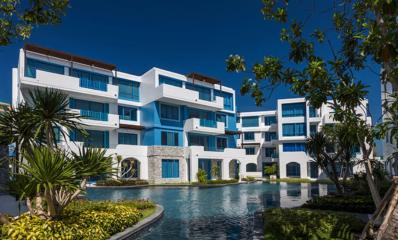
81	220
349	203
202	176
249	179
121	182
291	224
222	181
270	170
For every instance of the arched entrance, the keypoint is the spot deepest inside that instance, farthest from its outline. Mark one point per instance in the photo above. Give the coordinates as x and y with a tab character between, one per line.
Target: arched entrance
234	169
251	167
293	169
130	168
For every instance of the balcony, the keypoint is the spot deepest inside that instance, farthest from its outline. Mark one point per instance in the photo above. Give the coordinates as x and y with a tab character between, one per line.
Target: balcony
98	119
204	126
71	84
183	96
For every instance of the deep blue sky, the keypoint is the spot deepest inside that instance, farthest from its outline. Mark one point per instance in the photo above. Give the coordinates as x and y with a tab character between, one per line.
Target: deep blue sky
178	35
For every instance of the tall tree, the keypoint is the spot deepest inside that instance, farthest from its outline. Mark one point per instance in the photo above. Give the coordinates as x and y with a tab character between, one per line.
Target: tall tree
19	17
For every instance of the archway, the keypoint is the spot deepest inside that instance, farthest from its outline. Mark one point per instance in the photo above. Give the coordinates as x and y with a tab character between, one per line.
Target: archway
293	169
234	169
251	167
130	168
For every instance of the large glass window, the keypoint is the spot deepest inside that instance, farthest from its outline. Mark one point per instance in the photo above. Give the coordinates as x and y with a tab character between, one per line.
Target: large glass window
248	136
221	143
250	151
269	120
294	147
169	112
169	138
228	99
128	90
313	129
204	92
200	140
249	121
269	136
128	138
293	129
293	110
32	65
91	80
170	168
293	169
127	113
90	110
169	81
270	152
313	112
222	118
98	139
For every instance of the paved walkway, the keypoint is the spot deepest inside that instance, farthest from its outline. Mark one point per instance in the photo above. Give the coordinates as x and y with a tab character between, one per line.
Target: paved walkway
9	205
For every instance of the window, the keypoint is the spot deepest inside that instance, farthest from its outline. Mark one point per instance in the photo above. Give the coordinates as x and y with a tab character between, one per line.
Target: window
127	113
228	99
251	167
91	80
169	138
98	139
128	138
221	143
90	110
313	112
250	151
248	135
32	65
128	90
269	120
293	110
293	129
169	112
249	121
269	136
200	140
313	129
204	92
222	118
294	147
170	168
237	119
270	152
293	169
169	81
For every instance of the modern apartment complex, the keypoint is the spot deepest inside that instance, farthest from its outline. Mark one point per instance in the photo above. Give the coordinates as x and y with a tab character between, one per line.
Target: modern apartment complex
167	125
278	136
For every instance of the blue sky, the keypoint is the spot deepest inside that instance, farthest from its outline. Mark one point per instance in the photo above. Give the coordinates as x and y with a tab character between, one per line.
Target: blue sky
177	35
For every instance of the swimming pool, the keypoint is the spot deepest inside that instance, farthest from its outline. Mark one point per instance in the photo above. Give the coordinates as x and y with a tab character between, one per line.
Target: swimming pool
213	213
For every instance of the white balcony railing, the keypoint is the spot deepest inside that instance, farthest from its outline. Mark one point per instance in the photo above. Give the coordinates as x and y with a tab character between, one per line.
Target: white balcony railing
211	127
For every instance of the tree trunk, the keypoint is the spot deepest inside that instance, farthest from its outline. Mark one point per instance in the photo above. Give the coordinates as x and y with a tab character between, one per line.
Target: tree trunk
372	186
4	219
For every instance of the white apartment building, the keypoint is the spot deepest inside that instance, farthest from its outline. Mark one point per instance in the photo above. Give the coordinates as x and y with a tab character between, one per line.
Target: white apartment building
278	136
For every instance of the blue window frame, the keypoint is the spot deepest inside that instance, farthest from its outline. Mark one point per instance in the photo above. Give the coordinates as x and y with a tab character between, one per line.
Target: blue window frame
98	139
237	119
313	112
128	138
269	136
270	152
248	136
250	122
90	110
169	81
201	140
221	143
294	147
127	113
269	120
128	90
169	112
293	129
293	109
32	65
222	118
170	168
293	169
204	92
91	80
169	138
228	99
313	129
250	151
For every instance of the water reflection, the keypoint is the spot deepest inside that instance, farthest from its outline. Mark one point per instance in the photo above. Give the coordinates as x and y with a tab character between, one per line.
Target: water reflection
214	213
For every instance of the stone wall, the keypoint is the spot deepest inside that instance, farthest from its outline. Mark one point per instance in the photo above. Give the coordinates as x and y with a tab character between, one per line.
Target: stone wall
155	156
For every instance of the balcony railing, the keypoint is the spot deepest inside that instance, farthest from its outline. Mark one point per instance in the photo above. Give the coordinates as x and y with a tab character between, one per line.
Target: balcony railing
101	116
208	123
92	84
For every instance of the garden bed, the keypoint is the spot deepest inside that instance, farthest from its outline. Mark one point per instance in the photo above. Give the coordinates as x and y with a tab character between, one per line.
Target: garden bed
287	224
348	203
81	220
121	182
216	183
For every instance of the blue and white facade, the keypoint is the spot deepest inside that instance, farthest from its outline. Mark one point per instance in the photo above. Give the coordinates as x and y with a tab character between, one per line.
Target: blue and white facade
168	124
279	136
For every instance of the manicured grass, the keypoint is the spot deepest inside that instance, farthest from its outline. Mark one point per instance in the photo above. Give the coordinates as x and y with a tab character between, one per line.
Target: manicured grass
295	224
81	220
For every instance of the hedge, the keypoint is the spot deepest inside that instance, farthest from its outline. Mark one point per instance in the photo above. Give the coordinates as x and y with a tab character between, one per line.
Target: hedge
347	203
121	182
295	224
81	220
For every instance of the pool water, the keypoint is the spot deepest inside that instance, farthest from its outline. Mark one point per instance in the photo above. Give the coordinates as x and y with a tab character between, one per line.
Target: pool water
213	213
